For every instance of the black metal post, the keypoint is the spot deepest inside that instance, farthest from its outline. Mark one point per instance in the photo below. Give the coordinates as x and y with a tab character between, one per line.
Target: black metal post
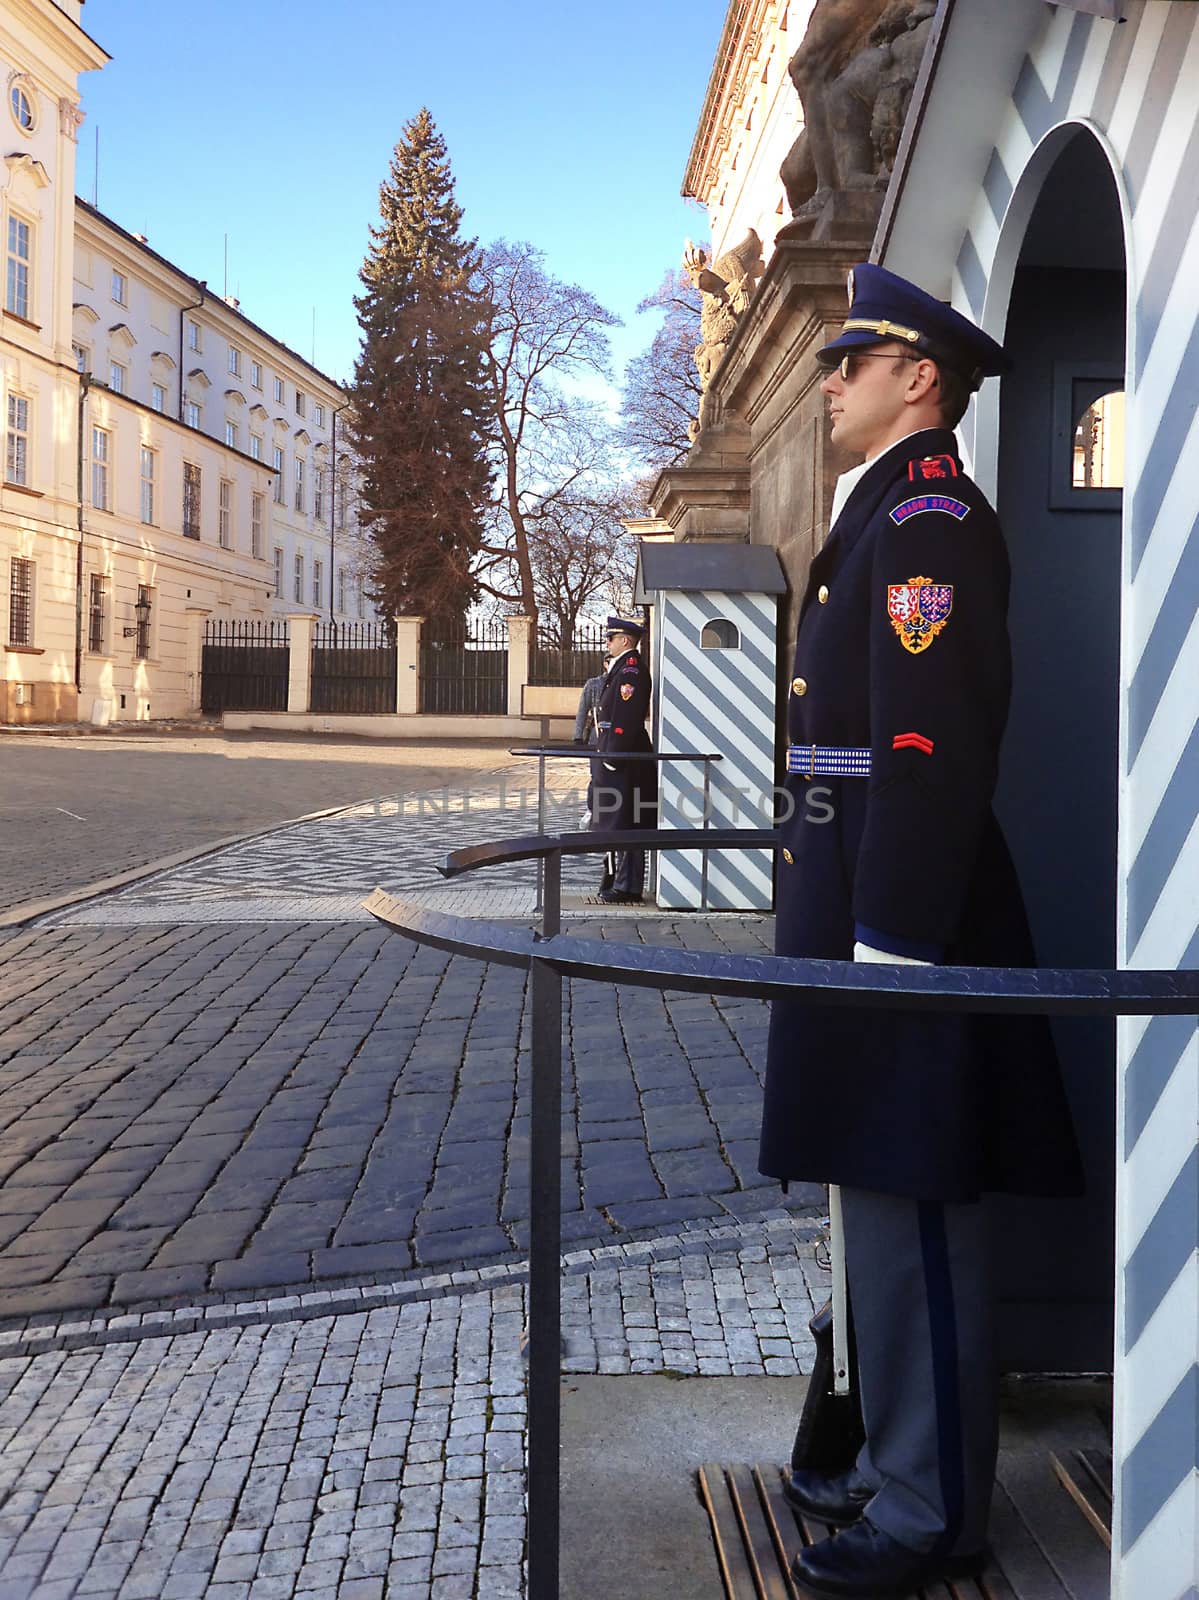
540	829
551	908
703	881
545	1246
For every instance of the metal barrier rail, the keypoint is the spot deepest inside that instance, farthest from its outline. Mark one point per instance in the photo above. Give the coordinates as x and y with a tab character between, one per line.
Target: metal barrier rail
548	957
582	752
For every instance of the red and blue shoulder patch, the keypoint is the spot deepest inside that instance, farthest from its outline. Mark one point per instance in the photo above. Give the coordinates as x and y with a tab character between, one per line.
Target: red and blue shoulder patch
929	502
930	468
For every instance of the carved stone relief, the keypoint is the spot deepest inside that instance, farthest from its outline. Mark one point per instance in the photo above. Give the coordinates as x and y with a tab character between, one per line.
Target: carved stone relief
854	71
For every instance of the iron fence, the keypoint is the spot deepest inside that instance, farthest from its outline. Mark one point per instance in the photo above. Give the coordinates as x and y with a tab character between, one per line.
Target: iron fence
464	671
570	663
353	668
244	666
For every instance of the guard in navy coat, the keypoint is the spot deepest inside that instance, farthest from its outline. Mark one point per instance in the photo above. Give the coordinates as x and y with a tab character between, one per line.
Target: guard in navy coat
624	793
898	701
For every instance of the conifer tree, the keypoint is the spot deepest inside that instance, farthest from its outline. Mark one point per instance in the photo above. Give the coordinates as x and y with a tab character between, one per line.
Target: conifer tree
420	406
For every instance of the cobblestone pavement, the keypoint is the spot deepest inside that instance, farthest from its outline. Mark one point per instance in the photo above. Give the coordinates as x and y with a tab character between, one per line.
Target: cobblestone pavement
265	1169
203	1108
377	1450
80	808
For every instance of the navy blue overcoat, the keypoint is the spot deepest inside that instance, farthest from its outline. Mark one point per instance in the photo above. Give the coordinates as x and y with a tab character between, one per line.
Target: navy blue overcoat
624	794
902	648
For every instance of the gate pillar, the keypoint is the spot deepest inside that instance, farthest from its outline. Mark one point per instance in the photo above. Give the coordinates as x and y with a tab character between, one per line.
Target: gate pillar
519	643
299	672
408	630
197	616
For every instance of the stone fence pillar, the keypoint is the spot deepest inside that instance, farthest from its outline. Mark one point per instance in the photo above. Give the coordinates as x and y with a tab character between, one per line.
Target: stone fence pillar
299	676
408	635
197	616
519	647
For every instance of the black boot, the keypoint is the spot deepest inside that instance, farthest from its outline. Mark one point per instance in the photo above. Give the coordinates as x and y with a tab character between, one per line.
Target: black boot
864	1563
838	1498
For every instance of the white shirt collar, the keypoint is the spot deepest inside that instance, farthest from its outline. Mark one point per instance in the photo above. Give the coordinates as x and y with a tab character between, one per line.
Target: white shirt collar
848	481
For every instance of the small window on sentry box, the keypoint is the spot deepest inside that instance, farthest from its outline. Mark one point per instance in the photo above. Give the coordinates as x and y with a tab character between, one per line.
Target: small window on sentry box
720	635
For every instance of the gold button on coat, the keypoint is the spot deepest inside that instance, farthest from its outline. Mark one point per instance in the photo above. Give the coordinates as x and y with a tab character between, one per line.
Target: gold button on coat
788	858
799	686
822	594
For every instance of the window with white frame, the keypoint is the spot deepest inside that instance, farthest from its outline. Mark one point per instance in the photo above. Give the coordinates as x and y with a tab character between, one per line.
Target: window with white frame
318	416
191	500
279	390
301	403
256	446
101	440
257	520
231	435
277	459
256	374
81	355
361	600
20	603
21	104
148	466
120	288
192	414
225	514
117	375
318	573
235	361
193	335
97	614
318	494
299	483
278	573
341	588
158	397
20	258
298	590
16	452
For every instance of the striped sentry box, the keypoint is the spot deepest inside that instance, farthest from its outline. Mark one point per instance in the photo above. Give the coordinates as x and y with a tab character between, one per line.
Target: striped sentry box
1135	86
719	700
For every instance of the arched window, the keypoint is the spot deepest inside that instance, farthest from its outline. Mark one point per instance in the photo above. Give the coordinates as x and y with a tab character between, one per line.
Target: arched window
719	634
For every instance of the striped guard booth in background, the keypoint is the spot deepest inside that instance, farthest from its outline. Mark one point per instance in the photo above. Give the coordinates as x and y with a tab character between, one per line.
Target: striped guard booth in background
715	620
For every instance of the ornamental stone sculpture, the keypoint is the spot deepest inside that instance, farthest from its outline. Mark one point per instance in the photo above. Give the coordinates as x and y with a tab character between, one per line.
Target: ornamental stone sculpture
727	285
854	71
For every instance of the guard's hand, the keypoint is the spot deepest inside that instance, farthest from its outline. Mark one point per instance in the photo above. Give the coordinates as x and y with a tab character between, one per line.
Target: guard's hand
867	952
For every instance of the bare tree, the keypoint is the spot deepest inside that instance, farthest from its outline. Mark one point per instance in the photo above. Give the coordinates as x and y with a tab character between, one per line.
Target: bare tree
662	387
553	446
583	560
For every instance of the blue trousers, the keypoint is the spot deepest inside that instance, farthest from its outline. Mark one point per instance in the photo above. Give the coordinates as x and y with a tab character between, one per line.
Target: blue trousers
920	1289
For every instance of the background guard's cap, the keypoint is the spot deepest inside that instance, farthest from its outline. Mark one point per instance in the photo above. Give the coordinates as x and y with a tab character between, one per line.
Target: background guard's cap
624	625
884	306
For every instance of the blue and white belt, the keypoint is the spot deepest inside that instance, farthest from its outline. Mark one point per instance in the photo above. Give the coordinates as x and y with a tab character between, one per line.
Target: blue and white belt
828	761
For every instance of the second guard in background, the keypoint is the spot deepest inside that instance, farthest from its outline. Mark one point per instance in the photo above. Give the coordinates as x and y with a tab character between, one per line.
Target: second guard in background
624	793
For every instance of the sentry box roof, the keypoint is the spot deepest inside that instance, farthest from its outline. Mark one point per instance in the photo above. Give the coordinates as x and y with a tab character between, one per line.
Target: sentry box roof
724	568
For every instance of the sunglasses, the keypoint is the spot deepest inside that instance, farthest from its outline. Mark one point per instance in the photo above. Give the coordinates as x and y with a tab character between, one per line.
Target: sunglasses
848	364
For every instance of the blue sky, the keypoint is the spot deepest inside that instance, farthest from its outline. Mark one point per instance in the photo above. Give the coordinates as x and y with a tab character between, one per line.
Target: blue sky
567	125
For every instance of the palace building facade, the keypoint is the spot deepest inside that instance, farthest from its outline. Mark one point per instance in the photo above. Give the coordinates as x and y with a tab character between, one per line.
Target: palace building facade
167	460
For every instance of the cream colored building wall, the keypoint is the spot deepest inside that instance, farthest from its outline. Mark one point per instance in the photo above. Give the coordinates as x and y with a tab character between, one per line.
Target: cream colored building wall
43	48
143	336
750	121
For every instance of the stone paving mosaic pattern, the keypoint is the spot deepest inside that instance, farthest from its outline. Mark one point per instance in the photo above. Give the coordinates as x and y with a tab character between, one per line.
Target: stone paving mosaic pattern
353	1456
322	869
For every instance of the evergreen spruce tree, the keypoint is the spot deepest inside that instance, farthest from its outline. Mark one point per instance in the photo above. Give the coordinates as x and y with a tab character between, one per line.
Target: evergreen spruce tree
420	407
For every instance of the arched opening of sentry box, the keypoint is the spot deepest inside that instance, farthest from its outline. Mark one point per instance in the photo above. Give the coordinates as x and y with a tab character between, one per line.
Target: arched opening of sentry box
1060	495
